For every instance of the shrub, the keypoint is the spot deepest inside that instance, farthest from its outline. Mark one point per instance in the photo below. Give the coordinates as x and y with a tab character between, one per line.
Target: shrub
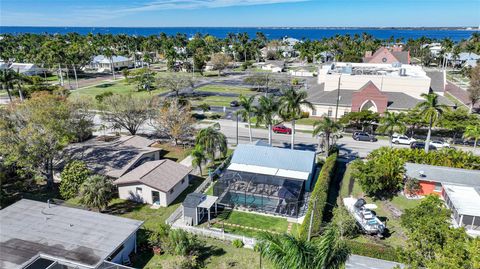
72	177
320	195
237	243
103	95
159	238
373	250
96	192
182	243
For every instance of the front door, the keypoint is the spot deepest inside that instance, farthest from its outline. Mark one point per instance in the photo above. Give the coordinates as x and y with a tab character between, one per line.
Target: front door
155	197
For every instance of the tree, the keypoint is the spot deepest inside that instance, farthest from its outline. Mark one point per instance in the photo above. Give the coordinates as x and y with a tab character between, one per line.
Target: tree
198	157
432	111
220	61
391	123
72	177
175	120
175	82
344	222
246	102
472	132
127	111
474	88
325	127
81	118
266	110
212	141
286	251
34	133
7	80
361	119
381	177
291	104
96	192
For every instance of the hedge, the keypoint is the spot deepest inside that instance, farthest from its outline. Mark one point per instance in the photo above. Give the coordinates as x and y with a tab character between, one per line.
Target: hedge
320	195
373	250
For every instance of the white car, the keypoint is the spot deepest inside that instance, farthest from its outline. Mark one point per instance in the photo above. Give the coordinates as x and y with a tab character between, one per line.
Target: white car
402	139
439	144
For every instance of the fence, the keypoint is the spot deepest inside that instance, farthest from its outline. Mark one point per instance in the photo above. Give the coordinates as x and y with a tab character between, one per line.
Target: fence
217	172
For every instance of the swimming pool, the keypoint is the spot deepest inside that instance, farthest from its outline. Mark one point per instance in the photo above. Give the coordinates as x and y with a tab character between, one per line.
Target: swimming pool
250	199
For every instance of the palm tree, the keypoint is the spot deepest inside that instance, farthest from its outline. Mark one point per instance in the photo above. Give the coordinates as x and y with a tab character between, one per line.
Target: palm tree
198	157
291	104
472	131
432	111
327	127
212	141
247	111
7	81
391	123
96	192
286	251
266	110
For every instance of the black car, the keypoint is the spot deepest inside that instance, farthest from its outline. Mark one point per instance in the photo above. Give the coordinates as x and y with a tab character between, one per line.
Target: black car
421	145
234	103
362	136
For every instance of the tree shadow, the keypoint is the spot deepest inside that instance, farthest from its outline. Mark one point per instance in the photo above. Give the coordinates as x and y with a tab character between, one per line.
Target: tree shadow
123	207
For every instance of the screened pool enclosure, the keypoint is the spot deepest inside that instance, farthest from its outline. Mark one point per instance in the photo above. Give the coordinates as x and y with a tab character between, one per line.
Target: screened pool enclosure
262	193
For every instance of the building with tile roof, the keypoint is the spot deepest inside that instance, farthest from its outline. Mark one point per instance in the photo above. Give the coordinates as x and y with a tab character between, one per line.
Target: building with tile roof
386	55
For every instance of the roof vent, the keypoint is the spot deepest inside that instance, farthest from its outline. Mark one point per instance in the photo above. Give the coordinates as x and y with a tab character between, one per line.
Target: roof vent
422	173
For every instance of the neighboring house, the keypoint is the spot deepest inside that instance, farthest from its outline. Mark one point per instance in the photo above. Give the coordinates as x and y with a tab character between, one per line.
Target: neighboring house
301	73
274	66
460	188
267	179
112	159
435	48
462	59
37	235
362	262
386	55
3	65
156	182
27	69
101	63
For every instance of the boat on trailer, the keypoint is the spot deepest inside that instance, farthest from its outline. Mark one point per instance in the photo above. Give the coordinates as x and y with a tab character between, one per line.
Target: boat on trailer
365	217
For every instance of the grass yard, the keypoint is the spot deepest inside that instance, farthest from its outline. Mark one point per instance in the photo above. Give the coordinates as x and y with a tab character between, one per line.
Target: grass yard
174	153
225	89
213	101
251	220
397	237
306	121
117	87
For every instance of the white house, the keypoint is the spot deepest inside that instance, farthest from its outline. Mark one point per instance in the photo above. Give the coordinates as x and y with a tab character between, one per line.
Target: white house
27	69
301	73
274	66
155	182
101	63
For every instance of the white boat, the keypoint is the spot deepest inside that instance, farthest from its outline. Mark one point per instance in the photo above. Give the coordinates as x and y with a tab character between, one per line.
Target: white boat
365	217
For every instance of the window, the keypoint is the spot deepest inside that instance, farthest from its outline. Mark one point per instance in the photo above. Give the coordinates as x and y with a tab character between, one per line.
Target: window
345	112
438	187
329	112
138	191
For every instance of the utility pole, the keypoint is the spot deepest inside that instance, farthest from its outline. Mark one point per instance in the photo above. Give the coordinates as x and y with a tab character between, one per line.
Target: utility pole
338	97
237	127
311	220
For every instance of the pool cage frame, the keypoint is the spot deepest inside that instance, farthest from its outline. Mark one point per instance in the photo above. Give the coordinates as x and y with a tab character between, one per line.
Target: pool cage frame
261	193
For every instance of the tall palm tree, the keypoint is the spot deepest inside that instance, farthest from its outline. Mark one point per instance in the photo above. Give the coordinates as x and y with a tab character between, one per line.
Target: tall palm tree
291	104
432	111
286	251
472	131
96	192
198	157
392	122
327	127
246	102
212	140
266	110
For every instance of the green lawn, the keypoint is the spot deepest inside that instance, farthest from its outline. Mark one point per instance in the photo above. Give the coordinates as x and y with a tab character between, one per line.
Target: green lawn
117	87
397	237
213	101
174	153
306	121
225	89
274	224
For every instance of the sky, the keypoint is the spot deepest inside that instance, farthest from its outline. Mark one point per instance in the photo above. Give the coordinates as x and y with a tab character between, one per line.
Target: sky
240	13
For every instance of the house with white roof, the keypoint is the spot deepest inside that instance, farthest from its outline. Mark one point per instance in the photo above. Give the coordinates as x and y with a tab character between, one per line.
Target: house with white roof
267	179
27	69
101	63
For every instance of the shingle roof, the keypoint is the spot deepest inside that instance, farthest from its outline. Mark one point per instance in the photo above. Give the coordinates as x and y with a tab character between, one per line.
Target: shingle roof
193	199
402	56
437	83
30	227
272	157
162	175
112	159
442	174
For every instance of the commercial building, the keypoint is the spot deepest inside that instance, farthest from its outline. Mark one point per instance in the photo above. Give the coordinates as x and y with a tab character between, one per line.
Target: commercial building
388	55
36	235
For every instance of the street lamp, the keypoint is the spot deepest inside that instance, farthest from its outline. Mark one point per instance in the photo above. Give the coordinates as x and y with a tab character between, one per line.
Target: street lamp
338	96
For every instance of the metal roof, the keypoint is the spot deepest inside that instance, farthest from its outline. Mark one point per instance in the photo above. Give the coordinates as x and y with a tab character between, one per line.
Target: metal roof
273	157
443	174
362	262
29	228
466	200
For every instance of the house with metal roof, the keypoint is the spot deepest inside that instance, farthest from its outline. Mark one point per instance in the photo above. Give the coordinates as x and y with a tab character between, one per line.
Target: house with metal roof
37	235
101	63
464	201
267	179
112	158
155	182
27	69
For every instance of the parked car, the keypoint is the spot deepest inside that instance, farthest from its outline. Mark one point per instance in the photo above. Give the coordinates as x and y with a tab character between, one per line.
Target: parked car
421	145
402	139
281	129
234	103
439	144
362	136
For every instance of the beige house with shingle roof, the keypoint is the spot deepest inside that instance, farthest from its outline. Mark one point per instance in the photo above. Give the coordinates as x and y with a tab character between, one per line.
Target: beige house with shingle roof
155	182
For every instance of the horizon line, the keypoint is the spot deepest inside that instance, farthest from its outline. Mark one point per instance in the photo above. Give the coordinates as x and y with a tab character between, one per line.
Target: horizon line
264	27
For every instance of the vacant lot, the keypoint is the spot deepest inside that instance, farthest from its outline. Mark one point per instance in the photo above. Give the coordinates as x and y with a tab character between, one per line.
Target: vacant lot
225	89
117	87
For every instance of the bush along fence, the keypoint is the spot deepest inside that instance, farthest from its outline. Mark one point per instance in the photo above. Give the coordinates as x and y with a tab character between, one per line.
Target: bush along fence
373	250
318	198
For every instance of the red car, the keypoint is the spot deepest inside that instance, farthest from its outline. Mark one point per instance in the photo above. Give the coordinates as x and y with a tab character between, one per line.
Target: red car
281	129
